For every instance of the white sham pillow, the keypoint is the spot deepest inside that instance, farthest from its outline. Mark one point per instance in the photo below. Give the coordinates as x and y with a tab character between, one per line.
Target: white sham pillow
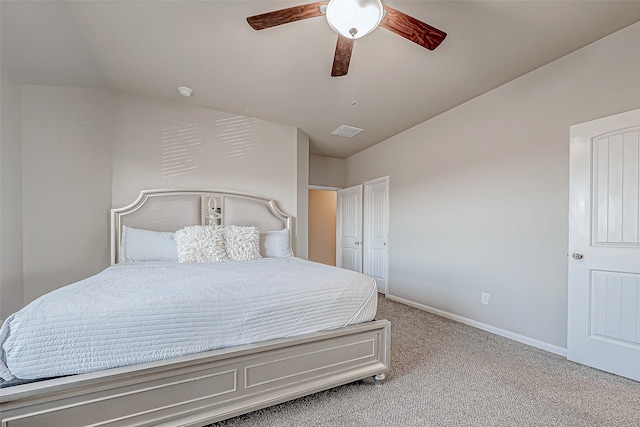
243	243
275	244
139	245
201	243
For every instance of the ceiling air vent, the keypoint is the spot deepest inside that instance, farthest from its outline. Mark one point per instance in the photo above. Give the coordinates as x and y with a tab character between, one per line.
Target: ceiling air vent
346	131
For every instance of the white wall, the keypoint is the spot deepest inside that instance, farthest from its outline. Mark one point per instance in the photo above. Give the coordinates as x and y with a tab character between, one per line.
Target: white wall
479	194
11	290
326	171
219	151
66	148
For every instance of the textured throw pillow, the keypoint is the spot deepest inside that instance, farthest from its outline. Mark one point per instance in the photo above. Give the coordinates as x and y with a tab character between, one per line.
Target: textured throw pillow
201	243
243	243
275	244
139	245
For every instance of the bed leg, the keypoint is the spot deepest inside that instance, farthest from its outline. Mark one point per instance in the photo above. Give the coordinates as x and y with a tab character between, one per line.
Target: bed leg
377	379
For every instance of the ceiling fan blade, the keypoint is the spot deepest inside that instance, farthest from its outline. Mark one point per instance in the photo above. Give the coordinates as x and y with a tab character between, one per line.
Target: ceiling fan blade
284	16
412	29
342	57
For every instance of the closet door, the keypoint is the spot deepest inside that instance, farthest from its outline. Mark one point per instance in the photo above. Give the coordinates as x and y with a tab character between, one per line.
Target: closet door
349	228
375	231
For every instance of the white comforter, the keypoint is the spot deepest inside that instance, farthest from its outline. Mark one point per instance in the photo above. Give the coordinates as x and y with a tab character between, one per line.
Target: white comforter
136	313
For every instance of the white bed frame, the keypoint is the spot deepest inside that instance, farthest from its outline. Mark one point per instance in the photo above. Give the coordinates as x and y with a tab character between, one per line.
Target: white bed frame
199	389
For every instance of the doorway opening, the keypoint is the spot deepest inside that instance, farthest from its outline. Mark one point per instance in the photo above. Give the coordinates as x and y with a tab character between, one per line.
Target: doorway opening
322	225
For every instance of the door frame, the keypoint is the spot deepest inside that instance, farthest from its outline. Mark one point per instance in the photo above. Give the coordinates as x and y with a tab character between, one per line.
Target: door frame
322	187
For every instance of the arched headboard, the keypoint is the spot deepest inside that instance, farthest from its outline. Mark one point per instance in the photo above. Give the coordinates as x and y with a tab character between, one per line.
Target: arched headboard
170	210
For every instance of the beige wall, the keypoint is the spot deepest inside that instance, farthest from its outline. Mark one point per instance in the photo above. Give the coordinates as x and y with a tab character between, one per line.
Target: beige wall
66	148
322	226
326	171
221	151
11	290
479	194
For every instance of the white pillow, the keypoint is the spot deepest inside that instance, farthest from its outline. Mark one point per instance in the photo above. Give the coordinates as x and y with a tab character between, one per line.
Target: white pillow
201	243
275	244
243	243
139	245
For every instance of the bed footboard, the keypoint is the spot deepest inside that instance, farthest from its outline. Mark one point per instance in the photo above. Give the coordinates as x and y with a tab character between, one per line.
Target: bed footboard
203	388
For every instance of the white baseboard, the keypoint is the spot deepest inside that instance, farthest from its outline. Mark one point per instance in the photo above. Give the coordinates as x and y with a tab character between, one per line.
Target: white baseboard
504	333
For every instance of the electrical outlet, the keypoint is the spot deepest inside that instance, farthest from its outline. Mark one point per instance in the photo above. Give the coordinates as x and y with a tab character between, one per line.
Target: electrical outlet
485	298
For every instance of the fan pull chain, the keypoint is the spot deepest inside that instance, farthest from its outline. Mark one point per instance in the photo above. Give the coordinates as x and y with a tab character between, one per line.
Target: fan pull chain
353	32
353	96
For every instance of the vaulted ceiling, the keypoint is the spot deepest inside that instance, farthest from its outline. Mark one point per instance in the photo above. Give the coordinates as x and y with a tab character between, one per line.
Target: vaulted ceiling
282	73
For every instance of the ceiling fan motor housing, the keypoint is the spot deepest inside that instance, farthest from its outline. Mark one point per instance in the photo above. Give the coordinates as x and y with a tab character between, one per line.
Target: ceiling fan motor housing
354	18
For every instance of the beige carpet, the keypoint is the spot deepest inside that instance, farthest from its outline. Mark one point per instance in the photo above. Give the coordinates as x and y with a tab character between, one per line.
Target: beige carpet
444	373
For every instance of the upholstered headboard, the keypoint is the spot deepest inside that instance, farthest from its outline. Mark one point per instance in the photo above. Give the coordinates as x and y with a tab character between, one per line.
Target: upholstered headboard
170	210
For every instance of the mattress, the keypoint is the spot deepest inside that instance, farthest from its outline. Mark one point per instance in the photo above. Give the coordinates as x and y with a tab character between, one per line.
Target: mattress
143	312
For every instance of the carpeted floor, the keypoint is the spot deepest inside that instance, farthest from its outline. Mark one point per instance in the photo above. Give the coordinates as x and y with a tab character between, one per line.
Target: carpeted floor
444	373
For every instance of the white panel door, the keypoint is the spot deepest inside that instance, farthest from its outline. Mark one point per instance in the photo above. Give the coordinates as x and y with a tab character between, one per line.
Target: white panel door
374	241
604	244
349	228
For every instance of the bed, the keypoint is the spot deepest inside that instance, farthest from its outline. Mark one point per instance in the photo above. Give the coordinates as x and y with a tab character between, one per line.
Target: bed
229	374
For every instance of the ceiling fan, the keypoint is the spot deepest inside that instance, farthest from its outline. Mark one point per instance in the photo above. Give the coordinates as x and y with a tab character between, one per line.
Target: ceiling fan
352	19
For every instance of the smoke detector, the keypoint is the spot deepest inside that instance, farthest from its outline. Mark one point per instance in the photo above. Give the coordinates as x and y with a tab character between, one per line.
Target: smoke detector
185	91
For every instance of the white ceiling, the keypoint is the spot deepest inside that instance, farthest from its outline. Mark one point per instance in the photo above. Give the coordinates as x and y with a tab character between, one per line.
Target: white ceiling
282	74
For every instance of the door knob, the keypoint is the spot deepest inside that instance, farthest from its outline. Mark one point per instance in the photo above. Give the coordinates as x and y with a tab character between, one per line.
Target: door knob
357	243
577	255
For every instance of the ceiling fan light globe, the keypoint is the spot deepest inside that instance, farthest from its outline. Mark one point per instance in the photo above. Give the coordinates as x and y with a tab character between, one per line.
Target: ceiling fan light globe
354	18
